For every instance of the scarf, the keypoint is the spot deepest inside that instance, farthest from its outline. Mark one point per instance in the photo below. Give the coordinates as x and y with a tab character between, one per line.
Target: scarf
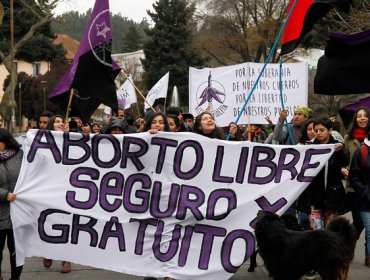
7	153
359	133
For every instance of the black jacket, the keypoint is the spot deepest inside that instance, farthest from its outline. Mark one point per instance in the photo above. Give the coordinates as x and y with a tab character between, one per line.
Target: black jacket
359	177
314	195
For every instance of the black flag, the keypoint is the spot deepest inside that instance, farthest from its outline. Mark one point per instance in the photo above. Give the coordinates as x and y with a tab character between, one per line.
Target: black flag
344	68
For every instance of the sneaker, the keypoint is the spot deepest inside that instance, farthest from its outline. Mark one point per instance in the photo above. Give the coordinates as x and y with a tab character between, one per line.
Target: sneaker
311	275
47	262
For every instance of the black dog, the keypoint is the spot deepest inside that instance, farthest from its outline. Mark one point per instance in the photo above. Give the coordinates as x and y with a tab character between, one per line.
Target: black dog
288	255
291	222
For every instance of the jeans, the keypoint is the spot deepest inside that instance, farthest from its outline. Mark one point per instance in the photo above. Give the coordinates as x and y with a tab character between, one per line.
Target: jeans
355	209
304	220
7	234
365	215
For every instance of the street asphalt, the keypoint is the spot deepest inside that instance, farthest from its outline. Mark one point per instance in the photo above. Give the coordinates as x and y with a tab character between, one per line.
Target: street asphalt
34	270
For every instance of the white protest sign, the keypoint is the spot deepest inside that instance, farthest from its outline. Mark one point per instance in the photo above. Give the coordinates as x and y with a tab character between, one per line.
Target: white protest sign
225	90
171	204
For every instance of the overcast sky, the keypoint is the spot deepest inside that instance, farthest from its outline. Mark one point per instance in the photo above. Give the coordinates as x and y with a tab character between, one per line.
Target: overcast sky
132	9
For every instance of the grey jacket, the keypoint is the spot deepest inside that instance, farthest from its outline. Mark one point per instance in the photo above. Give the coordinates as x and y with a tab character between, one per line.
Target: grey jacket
281	135
9	171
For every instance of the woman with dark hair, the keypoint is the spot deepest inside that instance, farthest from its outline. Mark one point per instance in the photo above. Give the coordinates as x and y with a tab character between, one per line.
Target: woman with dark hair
86	127
10	165
319	195
56	123
175	124
156	122
352	141
308	133
359	179
235	135
205	125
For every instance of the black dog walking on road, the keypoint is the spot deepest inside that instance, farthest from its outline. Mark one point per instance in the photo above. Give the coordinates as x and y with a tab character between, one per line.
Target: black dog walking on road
291	222
288	255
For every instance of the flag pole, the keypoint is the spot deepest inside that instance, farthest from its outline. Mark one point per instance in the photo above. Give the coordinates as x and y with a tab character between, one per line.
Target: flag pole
140	93
69	105
138	111
164	107
264	65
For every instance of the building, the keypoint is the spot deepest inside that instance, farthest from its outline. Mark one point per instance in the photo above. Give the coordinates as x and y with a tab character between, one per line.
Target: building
130	63
34	69
40	67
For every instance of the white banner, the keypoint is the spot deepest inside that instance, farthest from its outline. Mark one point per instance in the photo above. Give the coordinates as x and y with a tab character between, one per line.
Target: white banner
126	94
171	204
159	90
225	90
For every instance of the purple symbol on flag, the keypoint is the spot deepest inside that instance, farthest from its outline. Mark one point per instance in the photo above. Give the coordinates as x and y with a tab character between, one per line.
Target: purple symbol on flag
210	93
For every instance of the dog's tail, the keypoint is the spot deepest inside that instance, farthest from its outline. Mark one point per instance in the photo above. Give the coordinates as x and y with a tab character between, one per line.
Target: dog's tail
342	225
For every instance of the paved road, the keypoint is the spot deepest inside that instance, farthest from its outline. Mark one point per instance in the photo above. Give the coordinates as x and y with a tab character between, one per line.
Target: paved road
34	270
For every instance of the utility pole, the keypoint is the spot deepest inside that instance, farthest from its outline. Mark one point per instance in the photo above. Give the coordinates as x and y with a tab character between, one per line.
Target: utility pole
44	93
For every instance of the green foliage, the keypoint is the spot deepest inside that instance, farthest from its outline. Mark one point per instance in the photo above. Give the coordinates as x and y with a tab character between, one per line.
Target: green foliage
39	47
171	46
32	89
74	25
132	42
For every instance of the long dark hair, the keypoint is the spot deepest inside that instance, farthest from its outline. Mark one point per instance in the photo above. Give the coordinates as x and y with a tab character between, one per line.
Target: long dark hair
50	124
303	138
179	124
9	140
217	133
150	119
353	125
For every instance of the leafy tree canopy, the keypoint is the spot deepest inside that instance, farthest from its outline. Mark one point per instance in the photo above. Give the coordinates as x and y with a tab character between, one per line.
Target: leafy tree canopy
74	24
34	89
40	46
171	46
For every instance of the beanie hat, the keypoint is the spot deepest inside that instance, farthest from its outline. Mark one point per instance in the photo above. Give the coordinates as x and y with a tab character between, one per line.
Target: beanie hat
304	110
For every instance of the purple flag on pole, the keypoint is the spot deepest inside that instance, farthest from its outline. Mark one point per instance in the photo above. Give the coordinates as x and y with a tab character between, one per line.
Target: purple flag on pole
92	72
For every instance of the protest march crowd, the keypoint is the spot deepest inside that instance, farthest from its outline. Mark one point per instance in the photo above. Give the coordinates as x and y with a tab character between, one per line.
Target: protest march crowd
342	186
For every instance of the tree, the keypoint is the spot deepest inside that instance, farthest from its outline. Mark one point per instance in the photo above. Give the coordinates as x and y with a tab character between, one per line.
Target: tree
132	41
33	89
170	47
246	29
31	19
355	20
74	24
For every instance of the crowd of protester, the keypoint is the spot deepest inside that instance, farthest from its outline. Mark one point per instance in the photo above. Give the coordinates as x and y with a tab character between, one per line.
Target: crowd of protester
342	186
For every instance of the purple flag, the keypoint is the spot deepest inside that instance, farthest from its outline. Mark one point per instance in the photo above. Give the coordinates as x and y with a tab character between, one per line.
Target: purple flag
92	72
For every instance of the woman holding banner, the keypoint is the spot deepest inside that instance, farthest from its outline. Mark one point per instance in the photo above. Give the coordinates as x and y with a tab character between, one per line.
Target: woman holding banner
56	123
10	165
326	192
157	122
